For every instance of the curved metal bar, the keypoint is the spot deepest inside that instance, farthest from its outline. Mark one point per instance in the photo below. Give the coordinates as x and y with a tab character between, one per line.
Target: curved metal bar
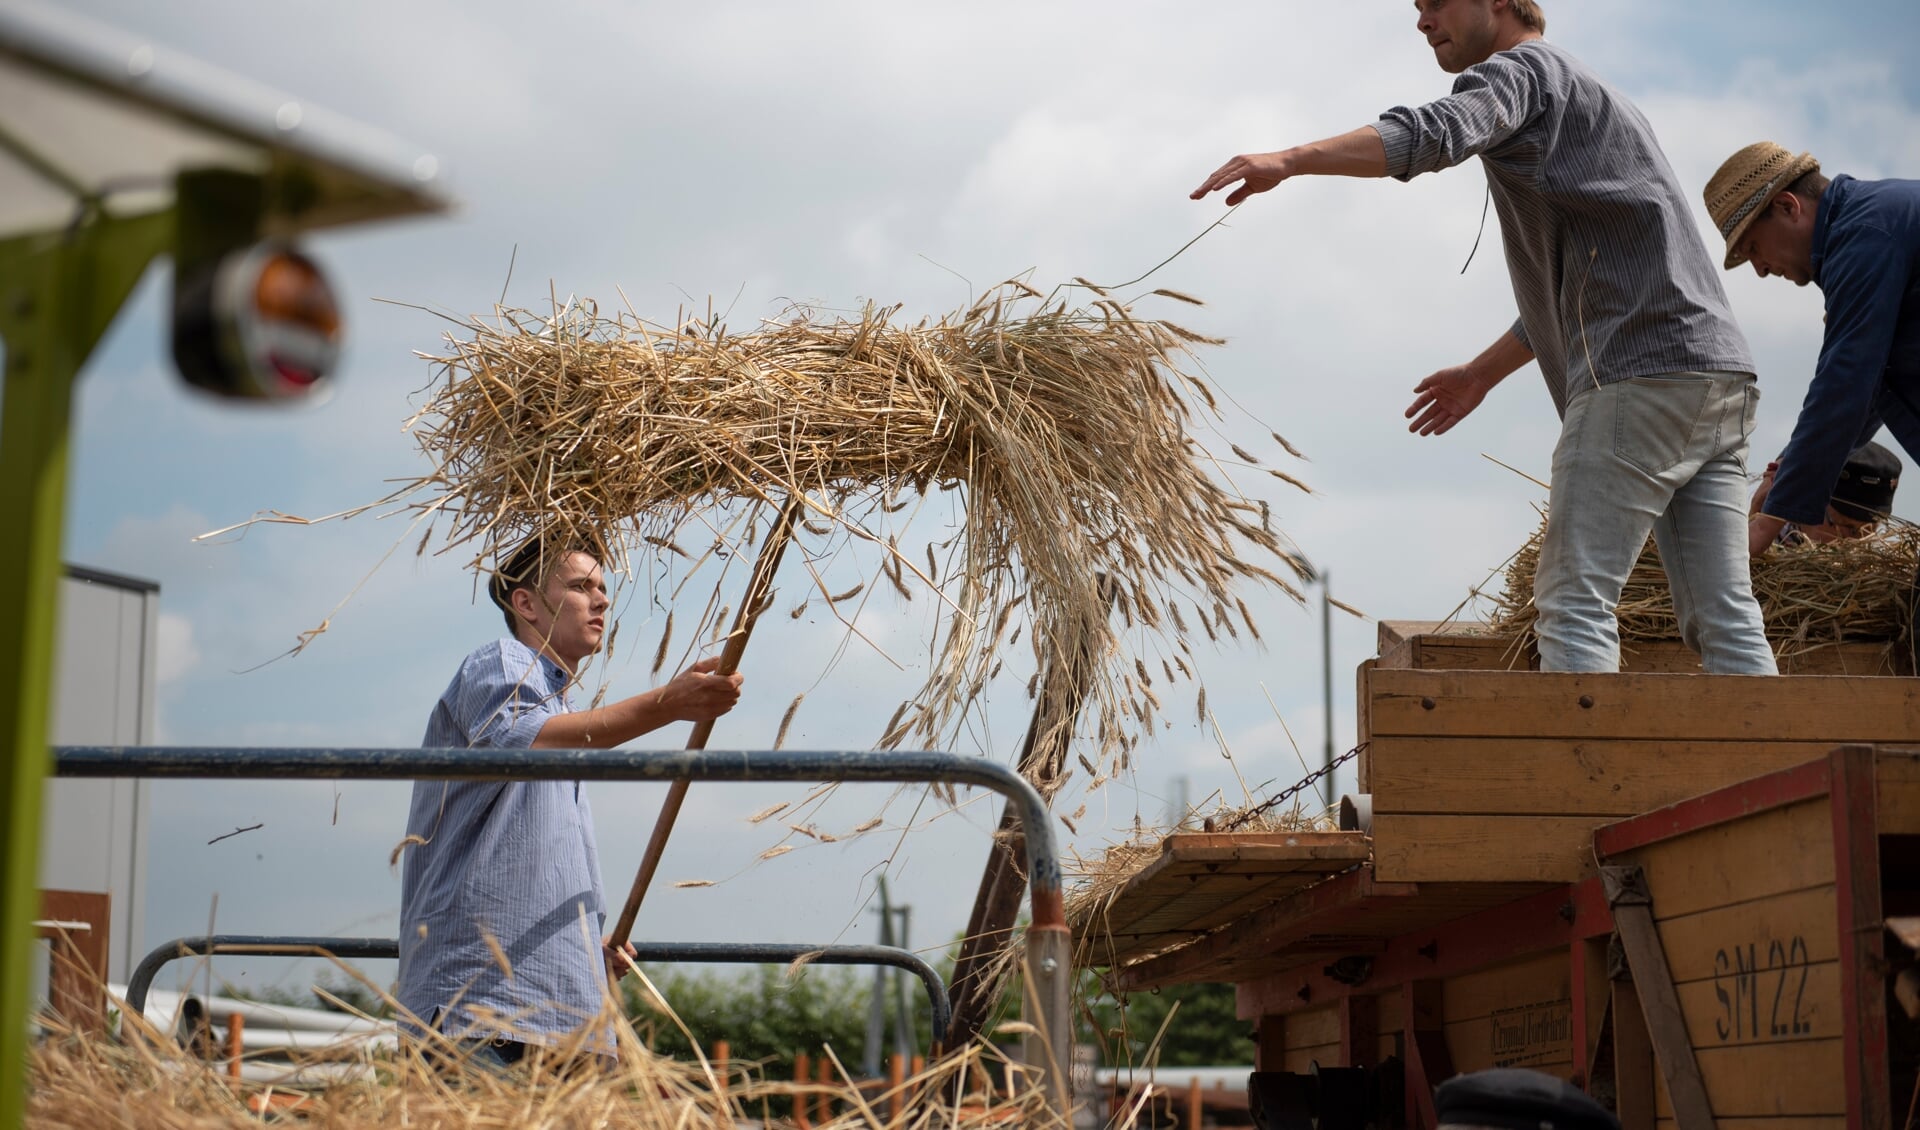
782	953
140	985
1049	944
1043	864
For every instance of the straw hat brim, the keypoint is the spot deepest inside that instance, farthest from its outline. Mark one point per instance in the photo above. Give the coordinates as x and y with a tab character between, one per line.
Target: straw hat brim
1798	167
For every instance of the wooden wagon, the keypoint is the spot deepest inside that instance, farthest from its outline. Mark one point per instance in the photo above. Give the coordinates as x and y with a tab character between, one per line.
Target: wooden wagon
1686	894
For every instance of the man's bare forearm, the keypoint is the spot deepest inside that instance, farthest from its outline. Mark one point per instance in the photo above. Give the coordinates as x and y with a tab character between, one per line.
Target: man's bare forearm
1502	359
1359	153
604	727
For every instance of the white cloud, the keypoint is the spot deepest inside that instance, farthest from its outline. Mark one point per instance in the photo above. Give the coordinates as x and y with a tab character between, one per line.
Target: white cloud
176	656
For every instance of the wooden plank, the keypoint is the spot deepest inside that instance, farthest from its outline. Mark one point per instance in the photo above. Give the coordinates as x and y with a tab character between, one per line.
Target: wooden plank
1203	880
1627	895
1493	704
1539	1041
1799	921
1854	812
1475	646
1786	849
1359	1031
1542	978
1519	776
1390	1018
1484	849
1764	998
1771	1081
1301	1060
1633	1067
1363	728
1269	1043
1897	779
1314	1027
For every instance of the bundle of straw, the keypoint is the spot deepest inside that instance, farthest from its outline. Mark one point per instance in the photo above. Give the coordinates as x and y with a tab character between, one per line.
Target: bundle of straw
1811	595
1065	430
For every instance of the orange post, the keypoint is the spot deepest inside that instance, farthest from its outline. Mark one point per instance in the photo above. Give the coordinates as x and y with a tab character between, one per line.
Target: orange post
802	1098
897	1087
1196	1106
721	1054
825	1067
236	1047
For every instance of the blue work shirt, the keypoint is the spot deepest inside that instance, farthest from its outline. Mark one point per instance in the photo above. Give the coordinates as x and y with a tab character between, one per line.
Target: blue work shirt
510	860
1866	261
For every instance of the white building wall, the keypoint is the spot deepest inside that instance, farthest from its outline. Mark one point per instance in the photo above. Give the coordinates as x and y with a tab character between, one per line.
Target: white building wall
94	832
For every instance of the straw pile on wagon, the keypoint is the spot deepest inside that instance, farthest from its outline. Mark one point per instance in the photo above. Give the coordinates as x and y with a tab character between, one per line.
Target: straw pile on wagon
1812	595
1066	431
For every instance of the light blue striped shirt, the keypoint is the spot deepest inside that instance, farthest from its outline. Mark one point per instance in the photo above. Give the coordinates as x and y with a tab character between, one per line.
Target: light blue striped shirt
1611	276
510	860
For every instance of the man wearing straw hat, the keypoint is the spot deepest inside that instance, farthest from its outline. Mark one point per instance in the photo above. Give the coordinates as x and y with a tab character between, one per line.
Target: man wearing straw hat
500	901
1620	305
1859	242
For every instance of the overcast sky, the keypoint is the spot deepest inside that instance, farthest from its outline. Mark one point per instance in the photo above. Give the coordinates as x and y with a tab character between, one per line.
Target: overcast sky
761	153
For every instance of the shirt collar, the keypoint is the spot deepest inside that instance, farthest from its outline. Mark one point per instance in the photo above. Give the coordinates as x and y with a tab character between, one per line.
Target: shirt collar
1829	202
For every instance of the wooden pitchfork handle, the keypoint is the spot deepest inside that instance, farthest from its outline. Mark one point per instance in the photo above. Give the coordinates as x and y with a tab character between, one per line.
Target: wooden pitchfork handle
758	589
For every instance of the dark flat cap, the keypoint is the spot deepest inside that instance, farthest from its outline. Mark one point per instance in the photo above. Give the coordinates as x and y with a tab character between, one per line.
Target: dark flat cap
1514	1099
1865	490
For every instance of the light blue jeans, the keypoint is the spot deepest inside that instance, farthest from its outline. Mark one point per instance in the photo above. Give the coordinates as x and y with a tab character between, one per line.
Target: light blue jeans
1665	453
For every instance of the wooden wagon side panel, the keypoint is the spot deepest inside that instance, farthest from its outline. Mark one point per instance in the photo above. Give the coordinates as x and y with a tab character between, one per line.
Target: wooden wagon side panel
1747	912
1312	1037
1492	776
1519	1014
1766	902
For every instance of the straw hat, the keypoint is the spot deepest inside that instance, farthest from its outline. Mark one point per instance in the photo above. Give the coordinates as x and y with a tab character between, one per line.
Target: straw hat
1746	184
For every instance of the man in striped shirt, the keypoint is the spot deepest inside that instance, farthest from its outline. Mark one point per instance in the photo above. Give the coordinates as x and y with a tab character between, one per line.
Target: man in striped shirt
501	905
1620	305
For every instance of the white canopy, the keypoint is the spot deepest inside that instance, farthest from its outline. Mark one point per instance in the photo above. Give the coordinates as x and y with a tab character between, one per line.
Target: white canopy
87	111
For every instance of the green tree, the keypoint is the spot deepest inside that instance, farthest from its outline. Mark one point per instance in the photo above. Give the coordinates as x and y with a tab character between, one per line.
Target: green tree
1203	1030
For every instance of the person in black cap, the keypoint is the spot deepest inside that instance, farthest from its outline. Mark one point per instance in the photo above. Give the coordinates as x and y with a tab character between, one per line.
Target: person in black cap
1508	1098
1861	499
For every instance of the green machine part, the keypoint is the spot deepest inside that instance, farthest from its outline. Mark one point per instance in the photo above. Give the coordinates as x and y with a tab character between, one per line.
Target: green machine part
59	292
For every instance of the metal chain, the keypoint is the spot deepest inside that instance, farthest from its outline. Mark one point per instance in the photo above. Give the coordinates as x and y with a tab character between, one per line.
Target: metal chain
1305	783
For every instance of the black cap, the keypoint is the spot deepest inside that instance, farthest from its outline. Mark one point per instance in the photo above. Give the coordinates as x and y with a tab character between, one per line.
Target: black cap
1865	490
1518	1100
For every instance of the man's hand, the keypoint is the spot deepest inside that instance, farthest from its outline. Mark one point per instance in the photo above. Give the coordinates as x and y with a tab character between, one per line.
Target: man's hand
1762	531
616	959
1765	488
1445	399
1258	171
699	695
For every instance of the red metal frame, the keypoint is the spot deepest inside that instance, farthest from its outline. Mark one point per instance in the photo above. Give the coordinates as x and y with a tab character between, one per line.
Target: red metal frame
1748	798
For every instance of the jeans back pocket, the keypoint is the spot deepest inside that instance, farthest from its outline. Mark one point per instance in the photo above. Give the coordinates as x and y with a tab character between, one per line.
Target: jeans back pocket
1655	419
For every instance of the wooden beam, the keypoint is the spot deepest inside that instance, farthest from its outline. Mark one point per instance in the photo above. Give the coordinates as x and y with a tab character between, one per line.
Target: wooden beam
1633	917
1484	849
1359	1031
1861	925
1632	1060
1270	1043
1498	704
1561	777
1429	1063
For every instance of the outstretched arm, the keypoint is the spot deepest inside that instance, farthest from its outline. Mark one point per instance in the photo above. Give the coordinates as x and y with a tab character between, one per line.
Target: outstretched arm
694	695
1445	398
1357	154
